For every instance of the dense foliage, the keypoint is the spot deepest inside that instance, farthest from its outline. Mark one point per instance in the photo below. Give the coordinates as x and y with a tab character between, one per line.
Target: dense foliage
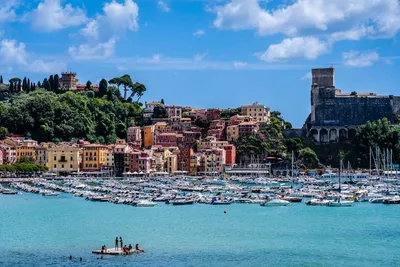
47	116
23	168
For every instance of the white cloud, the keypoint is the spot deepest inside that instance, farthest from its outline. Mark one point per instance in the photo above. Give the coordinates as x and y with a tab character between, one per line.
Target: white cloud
300	17
7	11
199	33
156	58
96	51
307	76
13	54
239	64
199	57
298	47
51	16
360	59
91	30
115	19
163	6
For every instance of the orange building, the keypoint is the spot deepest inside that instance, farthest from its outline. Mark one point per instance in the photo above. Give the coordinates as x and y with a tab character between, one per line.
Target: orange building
230	156
148	136
94	157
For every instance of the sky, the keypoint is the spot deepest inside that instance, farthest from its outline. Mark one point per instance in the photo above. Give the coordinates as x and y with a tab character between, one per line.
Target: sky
208	53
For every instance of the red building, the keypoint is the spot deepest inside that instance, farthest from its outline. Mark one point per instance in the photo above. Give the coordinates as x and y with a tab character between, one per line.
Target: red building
167	139
230	158
213	114
184	158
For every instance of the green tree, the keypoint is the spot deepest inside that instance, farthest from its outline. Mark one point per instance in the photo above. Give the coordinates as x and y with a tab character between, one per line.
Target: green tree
160	112
308	158
162	101
138	90
11	87
1	79
56	84
24	87
51	82
46	85
39	84
3	132
103	88
88	85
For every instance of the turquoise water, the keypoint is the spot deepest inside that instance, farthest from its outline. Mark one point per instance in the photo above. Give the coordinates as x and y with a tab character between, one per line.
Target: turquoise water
40	231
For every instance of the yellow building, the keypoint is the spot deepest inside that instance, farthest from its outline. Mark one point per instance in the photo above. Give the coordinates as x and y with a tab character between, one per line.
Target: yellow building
148	136
194	163
41	153
232	133
171	161
257	111
63	159
93	158
26	149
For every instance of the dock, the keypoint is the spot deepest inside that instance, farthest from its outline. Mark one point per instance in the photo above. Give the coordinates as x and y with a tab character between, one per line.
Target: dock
113	251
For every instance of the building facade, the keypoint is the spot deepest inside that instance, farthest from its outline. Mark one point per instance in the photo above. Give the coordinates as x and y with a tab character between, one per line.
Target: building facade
257	112
63	159
93	158
68	80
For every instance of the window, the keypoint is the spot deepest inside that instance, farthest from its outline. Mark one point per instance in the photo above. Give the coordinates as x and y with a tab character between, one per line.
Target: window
72	158
55	166
70	166
62	166
55	157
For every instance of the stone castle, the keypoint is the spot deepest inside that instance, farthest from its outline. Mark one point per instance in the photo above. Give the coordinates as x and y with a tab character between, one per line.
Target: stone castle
335	114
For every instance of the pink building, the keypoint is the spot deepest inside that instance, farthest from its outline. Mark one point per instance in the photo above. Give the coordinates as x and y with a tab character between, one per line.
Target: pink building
213	114
189	138
217	128
174	111
134	161
134	136
8	153
166	139
248	128
198	114
145	163
1	157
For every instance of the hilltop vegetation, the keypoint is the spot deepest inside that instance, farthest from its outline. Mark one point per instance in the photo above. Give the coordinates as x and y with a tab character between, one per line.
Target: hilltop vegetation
50	113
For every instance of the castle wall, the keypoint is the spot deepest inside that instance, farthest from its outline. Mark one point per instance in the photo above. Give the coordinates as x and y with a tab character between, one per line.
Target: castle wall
353	110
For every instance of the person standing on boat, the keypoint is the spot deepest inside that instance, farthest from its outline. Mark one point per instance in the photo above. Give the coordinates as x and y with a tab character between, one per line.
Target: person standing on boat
121	243
116	243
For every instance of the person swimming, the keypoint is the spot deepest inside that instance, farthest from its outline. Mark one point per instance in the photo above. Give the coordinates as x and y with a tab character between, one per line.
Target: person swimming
138	249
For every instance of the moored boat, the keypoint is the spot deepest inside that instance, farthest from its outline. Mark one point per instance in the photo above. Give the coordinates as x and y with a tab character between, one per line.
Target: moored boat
7	191
275	203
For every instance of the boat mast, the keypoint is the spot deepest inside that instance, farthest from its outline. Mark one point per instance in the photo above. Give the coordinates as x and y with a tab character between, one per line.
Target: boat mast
370	161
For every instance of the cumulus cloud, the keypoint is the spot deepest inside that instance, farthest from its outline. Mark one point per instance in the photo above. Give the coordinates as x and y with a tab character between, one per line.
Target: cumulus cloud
298	47
95	51
360	59
239	64
116	18
50	16
199	33
163	6
382	17
14	55
307	76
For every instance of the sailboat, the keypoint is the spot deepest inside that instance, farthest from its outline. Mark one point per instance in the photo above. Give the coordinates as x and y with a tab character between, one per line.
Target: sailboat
339	202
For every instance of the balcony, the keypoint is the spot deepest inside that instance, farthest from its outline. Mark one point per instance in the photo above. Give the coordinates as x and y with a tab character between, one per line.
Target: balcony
62	160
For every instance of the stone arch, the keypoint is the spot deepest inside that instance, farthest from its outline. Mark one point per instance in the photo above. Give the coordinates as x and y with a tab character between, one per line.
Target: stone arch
324	135
314	133
343	133
333	135
352	133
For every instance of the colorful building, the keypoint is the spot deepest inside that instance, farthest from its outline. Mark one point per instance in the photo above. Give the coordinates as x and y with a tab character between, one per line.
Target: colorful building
257	112
26	150
248	128
230	154
213	114
232	133
134	135
63	159
93	158
174	111
9	154
148	134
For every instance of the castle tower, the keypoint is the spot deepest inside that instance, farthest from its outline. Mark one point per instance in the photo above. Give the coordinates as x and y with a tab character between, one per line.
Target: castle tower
324	77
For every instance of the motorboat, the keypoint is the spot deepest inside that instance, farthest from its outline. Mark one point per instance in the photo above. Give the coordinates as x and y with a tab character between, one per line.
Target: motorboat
393	200
318	202
293	199
275	202
180	202
7	191
145	203
340	203
221	202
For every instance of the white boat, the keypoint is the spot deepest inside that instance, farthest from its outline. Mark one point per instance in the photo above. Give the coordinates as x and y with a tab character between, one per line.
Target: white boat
275	202
340	203
7	191
145	203
318	202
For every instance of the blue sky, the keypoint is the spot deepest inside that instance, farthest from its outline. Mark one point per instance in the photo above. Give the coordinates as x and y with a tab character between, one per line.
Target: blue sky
208	53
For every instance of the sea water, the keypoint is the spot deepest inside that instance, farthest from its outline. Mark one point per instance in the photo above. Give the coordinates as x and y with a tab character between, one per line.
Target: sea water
44	231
